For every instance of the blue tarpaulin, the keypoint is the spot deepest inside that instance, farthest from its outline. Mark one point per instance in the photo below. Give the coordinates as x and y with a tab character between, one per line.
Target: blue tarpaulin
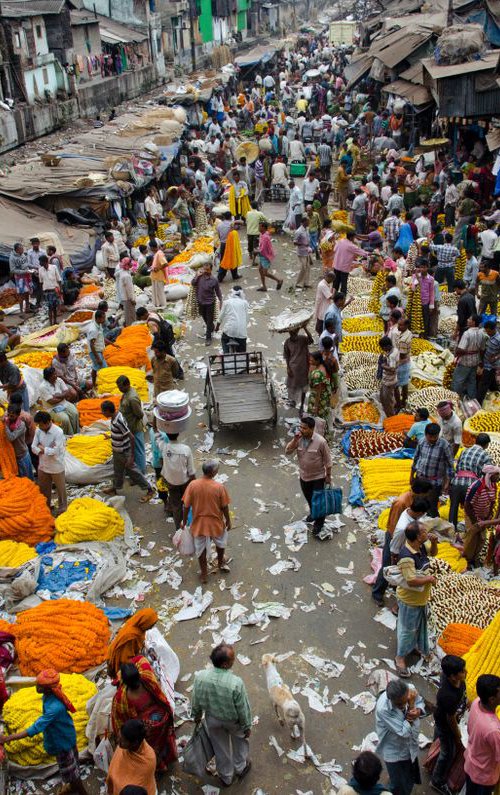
59	579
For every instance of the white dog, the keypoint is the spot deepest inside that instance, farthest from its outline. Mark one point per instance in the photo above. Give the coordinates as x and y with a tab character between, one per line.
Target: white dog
286	707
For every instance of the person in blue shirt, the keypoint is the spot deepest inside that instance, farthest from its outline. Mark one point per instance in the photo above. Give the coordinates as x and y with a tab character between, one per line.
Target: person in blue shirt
417	430
59	735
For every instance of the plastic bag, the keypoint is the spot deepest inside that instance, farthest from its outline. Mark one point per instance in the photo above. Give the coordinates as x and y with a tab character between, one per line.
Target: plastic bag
183	540
103	755
164	661
198	752
325	502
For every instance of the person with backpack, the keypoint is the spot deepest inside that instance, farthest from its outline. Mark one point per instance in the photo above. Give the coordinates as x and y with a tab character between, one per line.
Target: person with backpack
479	507
162	332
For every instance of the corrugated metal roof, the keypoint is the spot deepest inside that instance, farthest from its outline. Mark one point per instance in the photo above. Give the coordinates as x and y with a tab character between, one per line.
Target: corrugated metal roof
415	74
17	9
114	33
437	72
355	70
417	95
83	18
398	45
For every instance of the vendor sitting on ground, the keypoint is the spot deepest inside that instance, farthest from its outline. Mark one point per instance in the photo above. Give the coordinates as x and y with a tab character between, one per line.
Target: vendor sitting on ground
9	338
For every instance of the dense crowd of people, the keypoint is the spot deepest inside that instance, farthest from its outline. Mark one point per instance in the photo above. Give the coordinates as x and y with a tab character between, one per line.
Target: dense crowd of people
415	227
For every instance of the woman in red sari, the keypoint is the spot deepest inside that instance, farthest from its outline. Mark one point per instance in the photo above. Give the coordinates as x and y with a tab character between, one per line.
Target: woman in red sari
139	696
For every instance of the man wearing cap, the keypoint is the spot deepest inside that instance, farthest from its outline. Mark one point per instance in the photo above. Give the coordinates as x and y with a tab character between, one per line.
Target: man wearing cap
56	724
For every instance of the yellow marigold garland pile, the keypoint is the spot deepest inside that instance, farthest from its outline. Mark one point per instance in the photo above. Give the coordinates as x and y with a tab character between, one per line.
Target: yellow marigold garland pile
483	657
24	513
25	706
130	348
38	359
384	477
106	380
88	520
13	554
90	450
63	634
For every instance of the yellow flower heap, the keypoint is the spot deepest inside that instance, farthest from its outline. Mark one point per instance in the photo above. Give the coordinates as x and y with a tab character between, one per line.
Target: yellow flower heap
24	707
106	380
90	450
88	520
14	554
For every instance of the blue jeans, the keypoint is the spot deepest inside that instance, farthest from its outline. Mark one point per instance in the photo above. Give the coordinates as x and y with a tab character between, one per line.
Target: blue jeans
25	467
26	398
140	451
380	586
314	237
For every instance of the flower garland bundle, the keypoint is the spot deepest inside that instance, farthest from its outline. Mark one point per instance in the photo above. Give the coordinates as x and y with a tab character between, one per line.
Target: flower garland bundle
63	634
414	310
8	462
452	556
88	520
90	450
25	706
130	348
484	422
484	656
384	477
38	359
458	639
378	289
24	513
400	423
106	380
430	397
14	554
444	513
365	443
456	598
88	289
360	411
89	409
353	325
461	262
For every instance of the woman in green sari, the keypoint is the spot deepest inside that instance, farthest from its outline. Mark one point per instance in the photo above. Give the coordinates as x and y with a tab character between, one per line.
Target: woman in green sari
320	390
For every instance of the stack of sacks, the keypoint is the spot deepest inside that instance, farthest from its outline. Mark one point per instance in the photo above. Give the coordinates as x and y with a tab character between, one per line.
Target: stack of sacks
106	380
88	520
24	513
130	348
89	409
63	634
25	706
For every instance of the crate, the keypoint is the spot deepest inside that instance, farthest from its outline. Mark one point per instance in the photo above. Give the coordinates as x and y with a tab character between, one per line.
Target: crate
298	169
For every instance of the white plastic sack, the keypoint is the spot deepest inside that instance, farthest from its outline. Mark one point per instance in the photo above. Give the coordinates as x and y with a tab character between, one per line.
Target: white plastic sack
33	379
82	474
183	541
99	709
164	662
103	755
175	291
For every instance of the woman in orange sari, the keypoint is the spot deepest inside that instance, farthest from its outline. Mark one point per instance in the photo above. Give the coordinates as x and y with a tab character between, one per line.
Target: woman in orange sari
129	639
139	696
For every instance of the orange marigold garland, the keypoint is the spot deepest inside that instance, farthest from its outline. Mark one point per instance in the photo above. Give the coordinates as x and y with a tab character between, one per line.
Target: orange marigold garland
8	463
89	409
24	513
459	638
63	634
130	348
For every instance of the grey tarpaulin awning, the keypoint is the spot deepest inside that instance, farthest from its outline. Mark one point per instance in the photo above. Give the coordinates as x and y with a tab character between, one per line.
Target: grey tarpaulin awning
255	56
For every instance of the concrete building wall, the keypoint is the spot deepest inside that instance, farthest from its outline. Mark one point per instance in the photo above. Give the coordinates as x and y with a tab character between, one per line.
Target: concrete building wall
39	80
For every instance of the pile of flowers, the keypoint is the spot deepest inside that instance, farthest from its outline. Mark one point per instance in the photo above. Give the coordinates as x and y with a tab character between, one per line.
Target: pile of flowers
130	348
38	359
25	706
484	422
383	478
24	513
452	556
90	450
399	423
14	554
459	638
80	316
364	443
88	289
63	634
203	245
89	409
362	323
106	380
88	520
360	411
484	656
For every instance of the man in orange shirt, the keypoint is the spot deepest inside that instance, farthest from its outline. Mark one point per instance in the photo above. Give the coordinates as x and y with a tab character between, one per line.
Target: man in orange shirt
400	504
210	521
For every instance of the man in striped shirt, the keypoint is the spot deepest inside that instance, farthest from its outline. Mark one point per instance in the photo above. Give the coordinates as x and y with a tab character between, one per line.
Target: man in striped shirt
325	159
469	467
122	446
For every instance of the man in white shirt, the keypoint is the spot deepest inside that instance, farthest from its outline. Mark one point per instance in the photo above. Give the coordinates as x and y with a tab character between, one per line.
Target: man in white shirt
177	471
49	445
233	320
423	223
385	194
359	211
488	240
297	151
50	281
450	424
153	209
213	145
415	513
310	188
110	254
269	82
